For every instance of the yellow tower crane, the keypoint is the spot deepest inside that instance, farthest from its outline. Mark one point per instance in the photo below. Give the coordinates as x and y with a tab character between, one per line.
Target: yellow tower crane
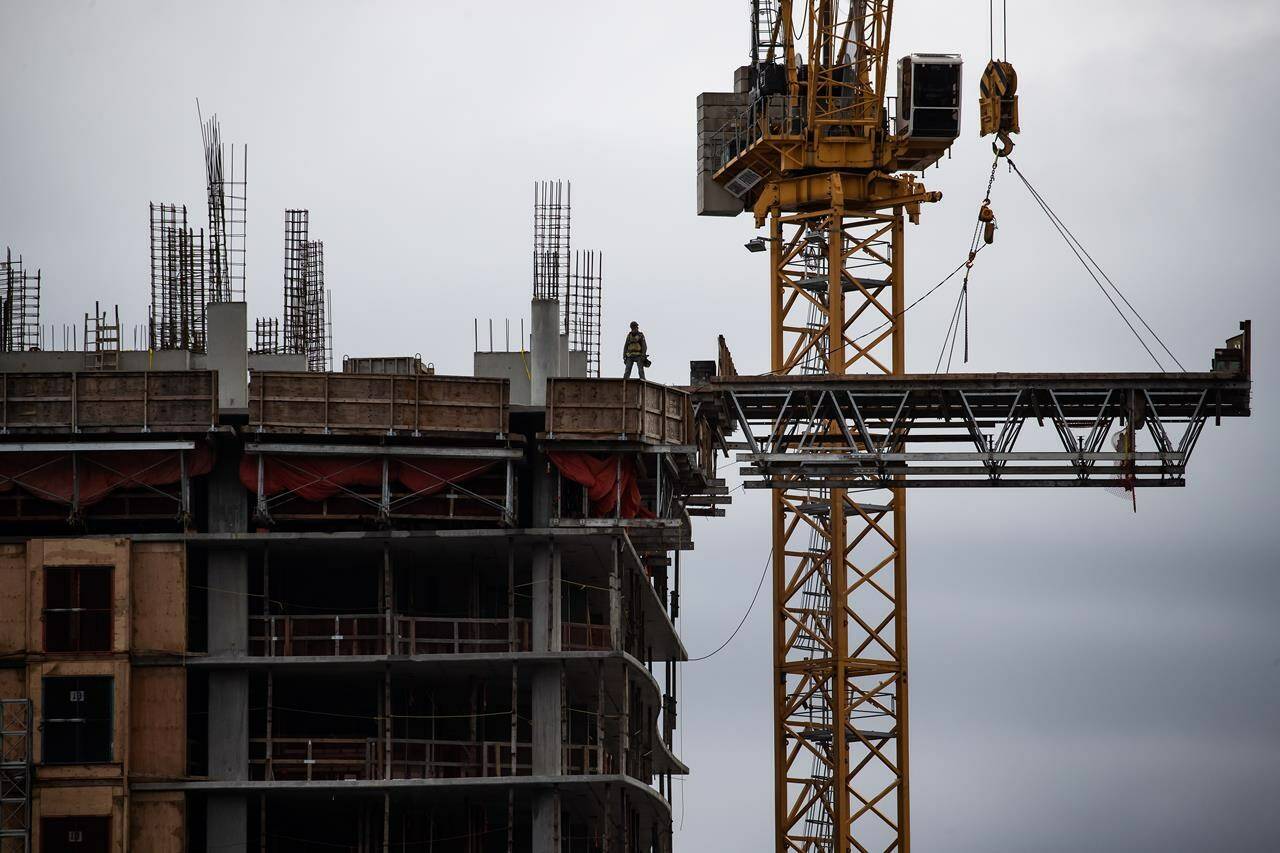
811	144
807	145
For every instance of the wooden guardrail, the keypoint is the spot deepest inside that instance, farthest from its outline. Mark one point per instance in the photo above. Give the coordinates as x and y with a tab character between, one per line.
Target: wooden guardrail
619	409
357	403
155	401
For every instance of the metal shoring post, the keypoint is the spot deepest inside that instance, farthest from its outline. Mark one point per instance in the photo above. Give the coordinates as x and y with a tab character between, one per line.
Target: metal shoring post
515	718
268	621
511	602
384	510
657	488
269	767
184	491
600	688
388	601
386	722
261	509
509	497
74	517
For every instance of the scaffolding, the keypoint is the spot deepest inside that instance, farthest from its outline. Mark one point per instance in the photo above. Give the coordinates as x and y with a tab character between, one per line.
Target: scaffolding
582	307
15	775
178	285
227	192
20	315
295	281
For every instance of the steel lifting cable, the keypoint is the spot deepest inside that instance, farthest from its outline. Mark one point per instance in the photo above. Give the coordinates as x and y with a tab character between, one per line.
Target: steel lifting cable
983	234
1090	265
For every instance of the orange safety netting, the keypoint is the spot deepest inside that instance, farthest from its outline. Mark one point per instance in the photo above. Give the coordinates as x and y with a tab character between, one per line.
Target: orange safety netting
53	476
606	479
314	478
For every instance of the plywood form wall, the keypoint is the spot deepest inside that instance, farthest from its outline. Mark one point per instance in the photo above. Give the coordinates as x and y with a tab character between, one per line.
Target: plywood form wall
158	723
159	587
42	553
13	599
157	822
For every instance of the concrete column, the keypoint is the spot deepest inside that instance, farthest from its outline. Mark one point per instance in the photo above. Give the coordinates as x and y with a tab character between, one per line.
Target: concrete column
546	590
228	718
546	822
544	347
228	354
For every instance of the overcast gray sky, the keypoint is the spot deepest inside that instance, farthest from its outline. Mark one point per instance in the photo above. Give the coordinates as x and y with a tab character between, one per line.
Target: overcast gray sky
1083	678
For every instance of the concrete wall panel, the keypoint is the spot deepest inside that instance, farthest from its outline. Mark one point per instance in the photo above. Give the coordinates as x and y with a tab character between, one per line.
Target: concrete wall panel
159	586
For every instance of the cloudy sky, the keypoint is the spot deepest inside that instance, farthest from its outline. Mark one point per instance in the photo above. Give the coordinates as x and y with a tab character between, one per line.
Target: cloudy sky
1084	678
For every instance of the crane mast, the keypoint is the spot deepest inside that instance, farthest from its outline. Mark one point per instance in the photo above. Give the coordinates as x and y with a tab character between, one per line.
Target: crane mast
807	144
807	148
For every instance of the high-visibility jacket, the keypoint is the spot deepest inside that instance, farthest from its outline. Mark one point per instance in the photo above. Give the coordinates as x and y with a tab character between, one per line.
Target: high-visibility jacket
635	345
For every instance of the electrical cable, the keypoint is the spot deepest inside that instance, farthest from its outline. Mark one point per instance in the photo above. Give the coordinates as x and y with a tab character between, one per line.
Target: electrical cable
767	563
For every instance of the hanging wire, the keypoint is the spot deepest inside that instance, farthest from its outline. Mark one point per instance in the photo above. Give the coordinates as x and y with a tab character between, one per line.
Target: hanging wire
1087	261
763	574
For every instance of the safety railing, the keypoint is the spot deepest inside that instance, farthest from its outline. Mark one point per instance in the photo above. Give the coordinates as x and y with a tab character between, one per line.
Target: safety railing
764	118
292	759
313	759
340	635
328	635
432	635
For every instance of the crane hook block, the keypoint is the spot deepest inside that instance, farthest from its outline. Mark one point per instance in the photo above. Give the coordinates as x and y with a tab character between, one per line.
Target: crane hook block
999	100
988	219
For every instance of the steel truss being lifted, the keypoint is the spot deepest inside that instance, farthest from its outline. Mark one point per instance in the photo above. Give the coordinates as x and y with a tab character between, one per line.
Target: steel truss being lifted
972	427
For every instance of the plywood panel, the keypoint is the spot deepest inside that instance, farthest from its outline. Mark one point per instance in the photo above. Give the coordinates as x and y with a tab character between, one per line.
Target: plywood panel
88	800
13	599
13	683
158	722
160	401
82	552
158	582
119	670
350	403
157	822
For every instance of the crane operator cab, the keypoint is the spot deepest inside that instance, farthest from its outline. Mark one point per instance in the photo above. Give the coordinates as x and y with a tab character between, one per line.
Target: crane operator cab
928	119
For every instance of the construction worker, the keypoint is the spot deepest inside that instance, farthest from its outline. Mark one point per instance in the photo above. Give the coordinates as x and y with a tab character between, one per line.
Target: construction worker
635	351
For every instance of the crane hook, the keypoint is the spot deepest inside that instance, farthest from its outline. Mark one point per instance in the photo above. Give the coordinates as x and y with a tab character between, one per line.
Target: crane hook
1003	146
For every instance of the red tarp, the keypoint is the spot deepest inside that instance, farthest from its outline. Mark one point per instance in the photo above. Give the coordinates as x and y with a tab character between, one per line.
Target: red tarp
48	476
314	478
602	477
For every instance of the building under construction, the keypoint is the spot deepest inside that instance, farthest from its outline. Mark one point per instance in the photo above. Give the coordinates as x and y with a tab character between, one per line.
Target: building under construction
248	602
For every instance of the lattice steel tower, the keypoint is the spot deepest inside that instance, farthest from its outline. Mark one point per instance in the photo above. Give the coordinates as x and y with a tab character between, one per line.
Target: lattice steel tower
804	143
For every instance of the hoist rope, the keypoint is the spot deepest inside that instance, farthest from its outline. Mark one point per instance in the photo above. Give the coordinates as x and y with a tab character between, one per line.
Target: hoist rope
960	313
1090	265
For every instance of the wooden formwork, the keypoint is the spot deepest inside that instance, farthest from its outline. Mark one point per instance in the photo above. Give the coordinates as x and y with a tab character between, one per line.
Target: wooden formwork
619	409
108	401
353	404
